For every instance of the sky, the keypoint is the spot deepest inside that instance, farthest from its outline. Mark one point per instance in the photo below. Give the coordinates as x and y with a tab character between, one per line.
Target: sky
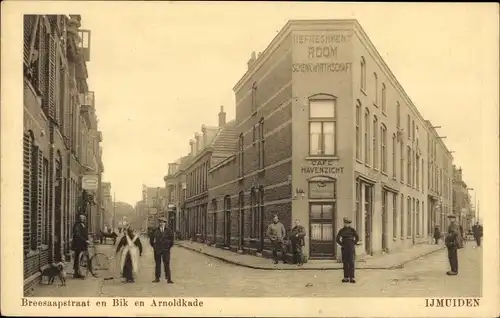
161	70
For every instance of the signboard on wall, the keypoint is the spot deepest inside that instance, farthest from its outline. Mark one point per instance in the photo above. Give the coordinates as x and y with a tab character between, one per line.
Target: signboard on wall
90	182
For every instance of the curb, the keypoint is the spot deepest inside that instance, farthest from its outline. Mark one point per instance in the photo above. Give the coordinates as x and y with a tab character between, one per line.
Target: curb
225	260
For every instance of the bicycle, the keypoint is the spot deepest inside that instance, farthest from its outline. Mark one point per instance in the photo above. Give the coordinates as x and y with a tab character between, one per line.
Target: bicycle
97	264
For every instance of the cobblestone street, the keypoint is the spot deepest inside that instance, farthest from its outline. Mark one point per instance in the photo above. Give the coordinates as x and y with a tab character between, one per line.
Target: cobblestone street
197	275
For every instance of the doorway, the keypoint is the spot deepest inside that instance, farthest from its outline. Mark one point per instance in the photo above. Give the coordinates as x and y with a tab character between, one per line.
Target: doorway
241	202
322	228
368	218
227	229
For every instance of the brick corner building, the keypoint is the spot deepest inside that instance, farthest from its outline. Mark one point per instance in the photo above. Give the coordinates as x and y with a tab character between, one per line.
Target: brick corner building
323	130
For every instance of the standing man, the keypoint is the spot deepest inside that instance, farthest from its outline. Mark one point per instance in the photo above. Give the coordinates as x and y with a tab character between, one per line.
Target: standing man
347	238
297	239
452	242
276	233
162	240
477	231
79	244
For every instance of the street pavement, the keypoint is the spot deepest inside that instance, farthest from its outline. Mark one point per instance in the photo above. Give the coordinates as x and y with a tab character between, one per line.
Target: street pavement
197	275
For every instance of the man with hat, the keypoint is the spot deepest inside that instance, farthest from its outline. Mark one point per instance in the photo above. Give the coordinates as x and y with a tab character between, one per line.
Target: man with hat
347	238
162	240
452	242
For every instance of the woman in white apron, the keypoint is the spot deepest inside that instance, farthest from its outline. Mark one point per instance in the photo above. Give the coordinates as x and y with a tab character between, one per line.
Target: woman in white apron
131	249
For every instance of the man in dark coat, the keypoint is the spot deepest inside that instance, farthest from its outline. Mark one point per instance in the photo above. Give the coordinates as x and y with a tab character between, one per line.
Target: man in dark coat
437	233
452	242
162	240
79	244
297	239
477	232
347	238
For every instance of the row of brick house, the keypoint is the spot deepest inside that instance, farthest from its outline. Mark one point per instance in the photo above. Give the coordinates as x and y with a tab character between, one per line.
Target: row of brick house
323	130
61	140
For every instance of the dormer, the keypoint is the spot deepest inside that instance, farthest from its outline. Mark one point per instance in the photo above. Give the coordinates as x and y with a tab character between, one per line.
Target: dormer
199	142
192	146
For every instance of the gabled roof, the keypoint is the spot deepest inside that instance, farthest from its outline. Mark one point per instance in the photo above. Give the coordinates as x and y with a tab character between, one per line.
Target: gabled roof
226	140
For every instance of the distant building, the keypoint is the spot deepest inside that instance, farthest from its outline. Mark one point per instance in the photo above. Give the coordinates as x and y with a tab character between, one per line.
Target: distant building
462	207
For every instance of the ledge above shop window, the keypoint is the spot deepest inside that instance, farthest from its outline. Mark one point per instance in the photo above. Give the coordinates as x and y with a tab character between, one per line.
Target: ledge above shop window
322	158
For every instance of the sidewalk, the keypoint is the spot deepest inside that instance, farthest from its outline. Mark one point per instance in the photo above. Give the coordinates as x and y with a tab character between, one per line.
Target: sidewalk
88	287
386	261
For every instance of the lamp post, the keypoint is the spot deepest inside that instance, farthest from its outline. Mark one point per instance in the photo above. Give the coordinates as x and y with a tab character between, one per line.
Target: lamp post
475	207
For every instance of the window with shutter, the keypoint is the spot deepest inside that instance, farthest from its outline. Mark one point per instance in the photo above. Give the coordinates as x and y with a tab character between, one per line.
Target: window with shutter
34	197
27	142
61	93
52	80
45	206
43	76
40	199
28	29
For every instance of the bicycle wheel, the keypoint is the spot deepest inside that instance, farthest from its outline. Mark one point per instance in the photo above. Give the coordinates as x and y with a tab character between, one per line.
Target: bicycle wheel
100	265
84	264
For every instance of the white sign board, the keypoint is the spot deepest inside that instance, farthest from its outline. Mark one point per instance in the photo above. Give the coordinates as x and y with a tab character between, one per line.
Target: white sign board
90	182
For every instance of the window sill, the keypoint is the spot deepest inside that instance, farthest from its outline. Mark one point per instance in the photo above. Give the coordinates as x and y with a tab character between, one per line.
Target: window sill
367	165
402	238
240	179
363	91
322	157
375	104
254	113
394	178
359	161
384	173
384	113
394	239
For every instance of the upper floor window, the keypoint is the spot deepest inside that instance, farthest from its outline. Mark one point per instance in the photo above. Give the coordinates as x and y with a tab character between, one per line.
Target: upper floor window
413	130
254	97
363	74
367	135
383	147
408	126
398	115
383	99
402	161
375	85
240	155
394	145
322	127
408	165
358	130
375	142
261	143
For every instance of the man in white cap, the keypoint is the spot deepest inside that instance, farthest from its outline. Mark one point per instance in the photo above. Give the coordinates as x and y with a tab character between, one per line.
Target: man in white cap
452	242
347	238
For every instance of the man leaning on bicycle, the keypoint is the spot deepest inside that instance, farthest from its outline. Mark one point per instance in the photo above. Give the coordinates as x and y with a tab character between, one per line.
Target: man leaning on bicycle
79	244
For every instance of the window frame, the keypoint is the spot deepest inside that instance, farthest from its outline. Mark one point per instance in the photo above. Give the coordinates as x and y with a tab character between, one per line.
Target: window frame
383	148
322	120
375	95
383	97
358	131
363	74
367	152
375	158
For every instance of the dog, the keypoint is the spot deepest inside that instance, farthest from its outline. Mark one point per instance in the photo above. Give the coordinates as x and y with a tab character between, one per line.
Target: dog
55	270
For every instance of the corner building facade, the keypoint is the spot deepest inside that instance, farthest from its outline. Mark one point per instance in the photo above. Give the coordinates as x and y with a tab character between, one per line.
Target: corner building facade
325	131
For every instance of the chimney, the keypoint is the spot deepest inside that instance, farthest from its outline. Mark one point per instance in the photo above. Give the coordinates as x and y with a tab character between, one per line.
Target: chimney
222	117
205	137
191	144
252	60
199	143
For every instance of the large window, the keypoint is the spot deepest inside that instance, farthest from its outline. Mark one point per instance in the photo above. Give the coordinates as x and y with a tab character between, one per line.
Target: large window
394	216
375	86
241	156
261	143
417	173
383	147
358	130
214	219
417	217
408	165
363	74
383	99
375	142
402	161
402	216
367	136
322	127
408	217
394	146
